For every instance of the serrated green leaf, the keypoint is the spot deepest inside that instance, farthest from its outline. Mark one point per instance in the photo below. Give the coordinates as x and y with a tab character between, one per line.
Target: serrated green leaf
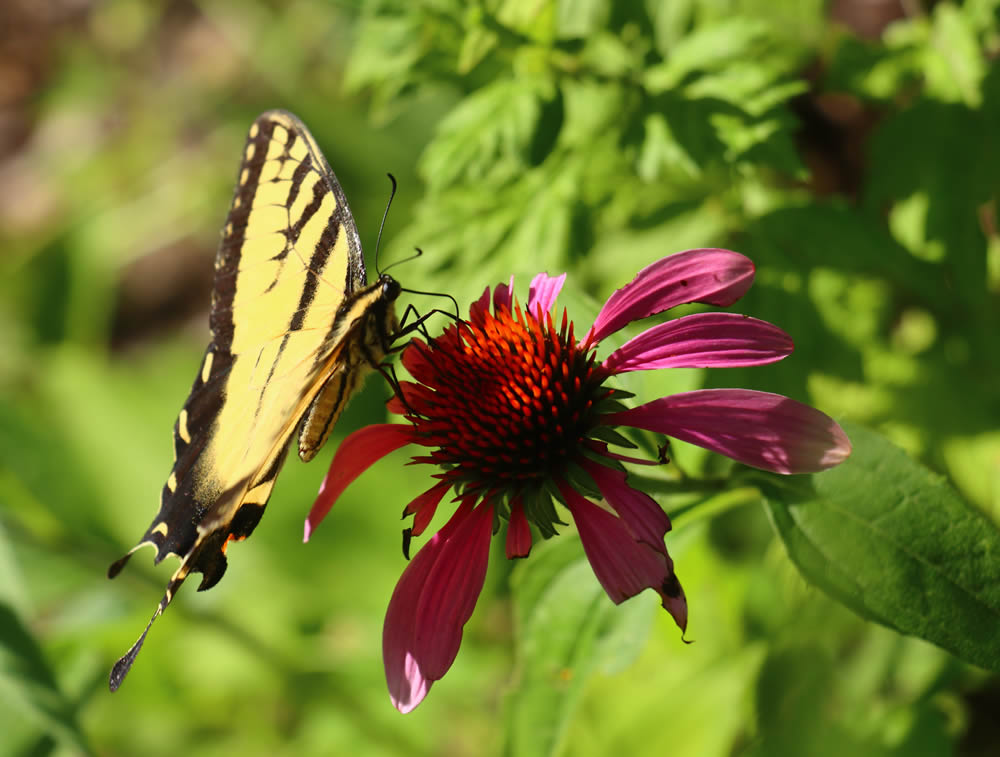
670	21
706	49
528	17
387	48
608	55
578	18
487	135
661	153
592	109
896	544
478	43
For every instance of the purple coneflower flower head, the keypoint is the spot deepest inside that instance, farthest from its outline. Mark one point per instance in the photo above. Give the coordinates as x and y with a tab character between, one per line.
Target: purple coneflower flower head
517	415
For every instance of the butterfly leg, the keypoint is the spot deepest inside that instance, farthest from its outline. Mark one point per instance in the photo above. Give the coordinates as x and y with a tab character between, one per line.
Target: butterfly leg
405	329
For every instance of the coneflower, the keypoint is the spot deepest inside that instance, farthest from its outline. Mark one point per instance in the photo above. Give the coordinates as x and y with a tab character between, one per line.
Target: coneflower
517	415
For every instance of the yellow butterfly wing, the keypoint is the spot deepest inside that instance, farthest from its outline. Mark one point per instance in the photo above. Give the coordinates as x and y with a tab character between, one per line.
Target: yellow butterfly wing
294	328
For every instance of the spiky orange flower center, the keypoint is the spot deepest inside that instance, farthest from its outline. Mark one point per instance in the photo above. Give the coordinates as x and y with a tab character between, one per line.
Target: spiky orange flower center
513	399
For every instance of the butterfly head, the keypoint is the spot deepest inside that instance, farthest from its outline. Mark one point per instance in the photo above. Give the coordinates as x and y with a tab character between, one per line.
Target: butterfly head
389	288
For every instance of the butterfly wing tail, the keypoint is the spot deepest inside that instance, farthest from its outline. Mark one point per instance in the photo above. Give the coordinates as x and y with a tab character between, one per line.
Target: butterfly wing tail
124	664
206	556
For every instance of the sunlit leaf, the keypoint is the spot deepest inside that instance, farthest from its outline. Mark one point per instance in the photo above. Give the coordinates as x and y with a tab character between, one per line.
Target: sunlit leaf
896	544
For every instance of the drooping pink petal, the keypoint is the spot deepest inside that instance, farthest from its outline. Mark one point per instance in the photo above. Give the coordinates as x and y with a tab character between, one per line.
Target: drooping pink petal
518	531
703	340
644	519
354	456
407	684
709	275
431	604
425	505
543	292
503	295
450	593
624	566
406	681
761	429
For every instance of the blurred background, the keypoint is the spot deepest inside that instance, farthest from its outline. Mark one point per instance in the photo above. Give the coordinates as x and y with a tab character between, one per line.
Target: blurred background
849	147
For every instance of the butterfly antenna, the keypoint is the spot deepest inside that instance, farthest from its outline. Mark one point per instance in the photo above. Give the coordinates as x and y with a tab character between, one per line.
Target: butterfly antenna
414	256
378	241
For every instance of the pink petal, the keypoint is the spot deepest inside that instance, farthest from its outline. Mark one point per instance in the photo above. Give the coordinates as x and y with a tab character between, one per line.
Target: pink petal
703	340
518	531
417	360
543	292
354	456
644	519
712	276
425	505
411	391
761	429
479	308
503	296
624	566
432	602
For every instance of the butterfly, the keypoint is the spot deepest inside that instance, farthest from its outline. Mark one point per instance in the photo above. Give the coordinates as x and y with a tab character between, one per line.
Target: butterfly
295	326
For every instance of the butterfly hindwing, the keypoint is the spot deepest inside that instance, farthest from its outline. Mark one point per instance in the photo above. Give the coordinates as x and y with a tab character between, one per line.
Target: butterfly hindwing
291	314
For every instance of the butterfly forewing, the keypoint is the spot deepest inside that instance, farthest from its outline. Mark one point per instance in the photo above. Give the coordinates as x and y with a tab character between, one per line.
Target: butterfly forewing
291	312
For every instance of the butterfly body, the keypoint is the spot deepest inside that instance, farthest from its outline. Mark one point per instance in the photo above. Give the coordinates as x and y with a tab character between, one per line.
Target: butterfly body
295	329
370	320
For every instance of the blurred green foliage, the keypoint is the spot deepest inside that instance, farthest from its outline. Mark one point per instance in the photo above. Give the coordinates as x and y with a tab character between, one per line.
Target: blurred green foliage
856	164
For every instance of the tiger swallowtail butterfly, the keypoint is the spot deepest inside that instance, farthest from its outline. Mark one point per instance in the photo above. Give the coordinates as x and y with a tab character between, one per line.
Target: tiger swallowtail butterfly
295	328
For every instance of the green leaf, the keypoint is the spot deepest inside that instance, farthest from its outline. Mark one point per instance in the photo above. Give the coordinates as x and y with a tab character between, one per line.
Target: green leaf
955	65
670	22
567	630
662	153
28	685
478	43
386	57
896	544
578	18
959	177
794	694
707	49
488	134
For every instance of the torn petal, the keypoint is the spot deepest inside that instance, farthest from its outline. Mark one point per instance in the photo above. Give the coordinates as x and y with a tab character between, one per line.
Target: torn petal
644	519
624	566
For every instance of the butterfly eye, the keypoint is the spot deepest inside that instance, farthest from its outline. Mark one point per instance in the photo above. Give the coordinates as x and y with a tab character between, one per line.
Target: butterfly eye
390	287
